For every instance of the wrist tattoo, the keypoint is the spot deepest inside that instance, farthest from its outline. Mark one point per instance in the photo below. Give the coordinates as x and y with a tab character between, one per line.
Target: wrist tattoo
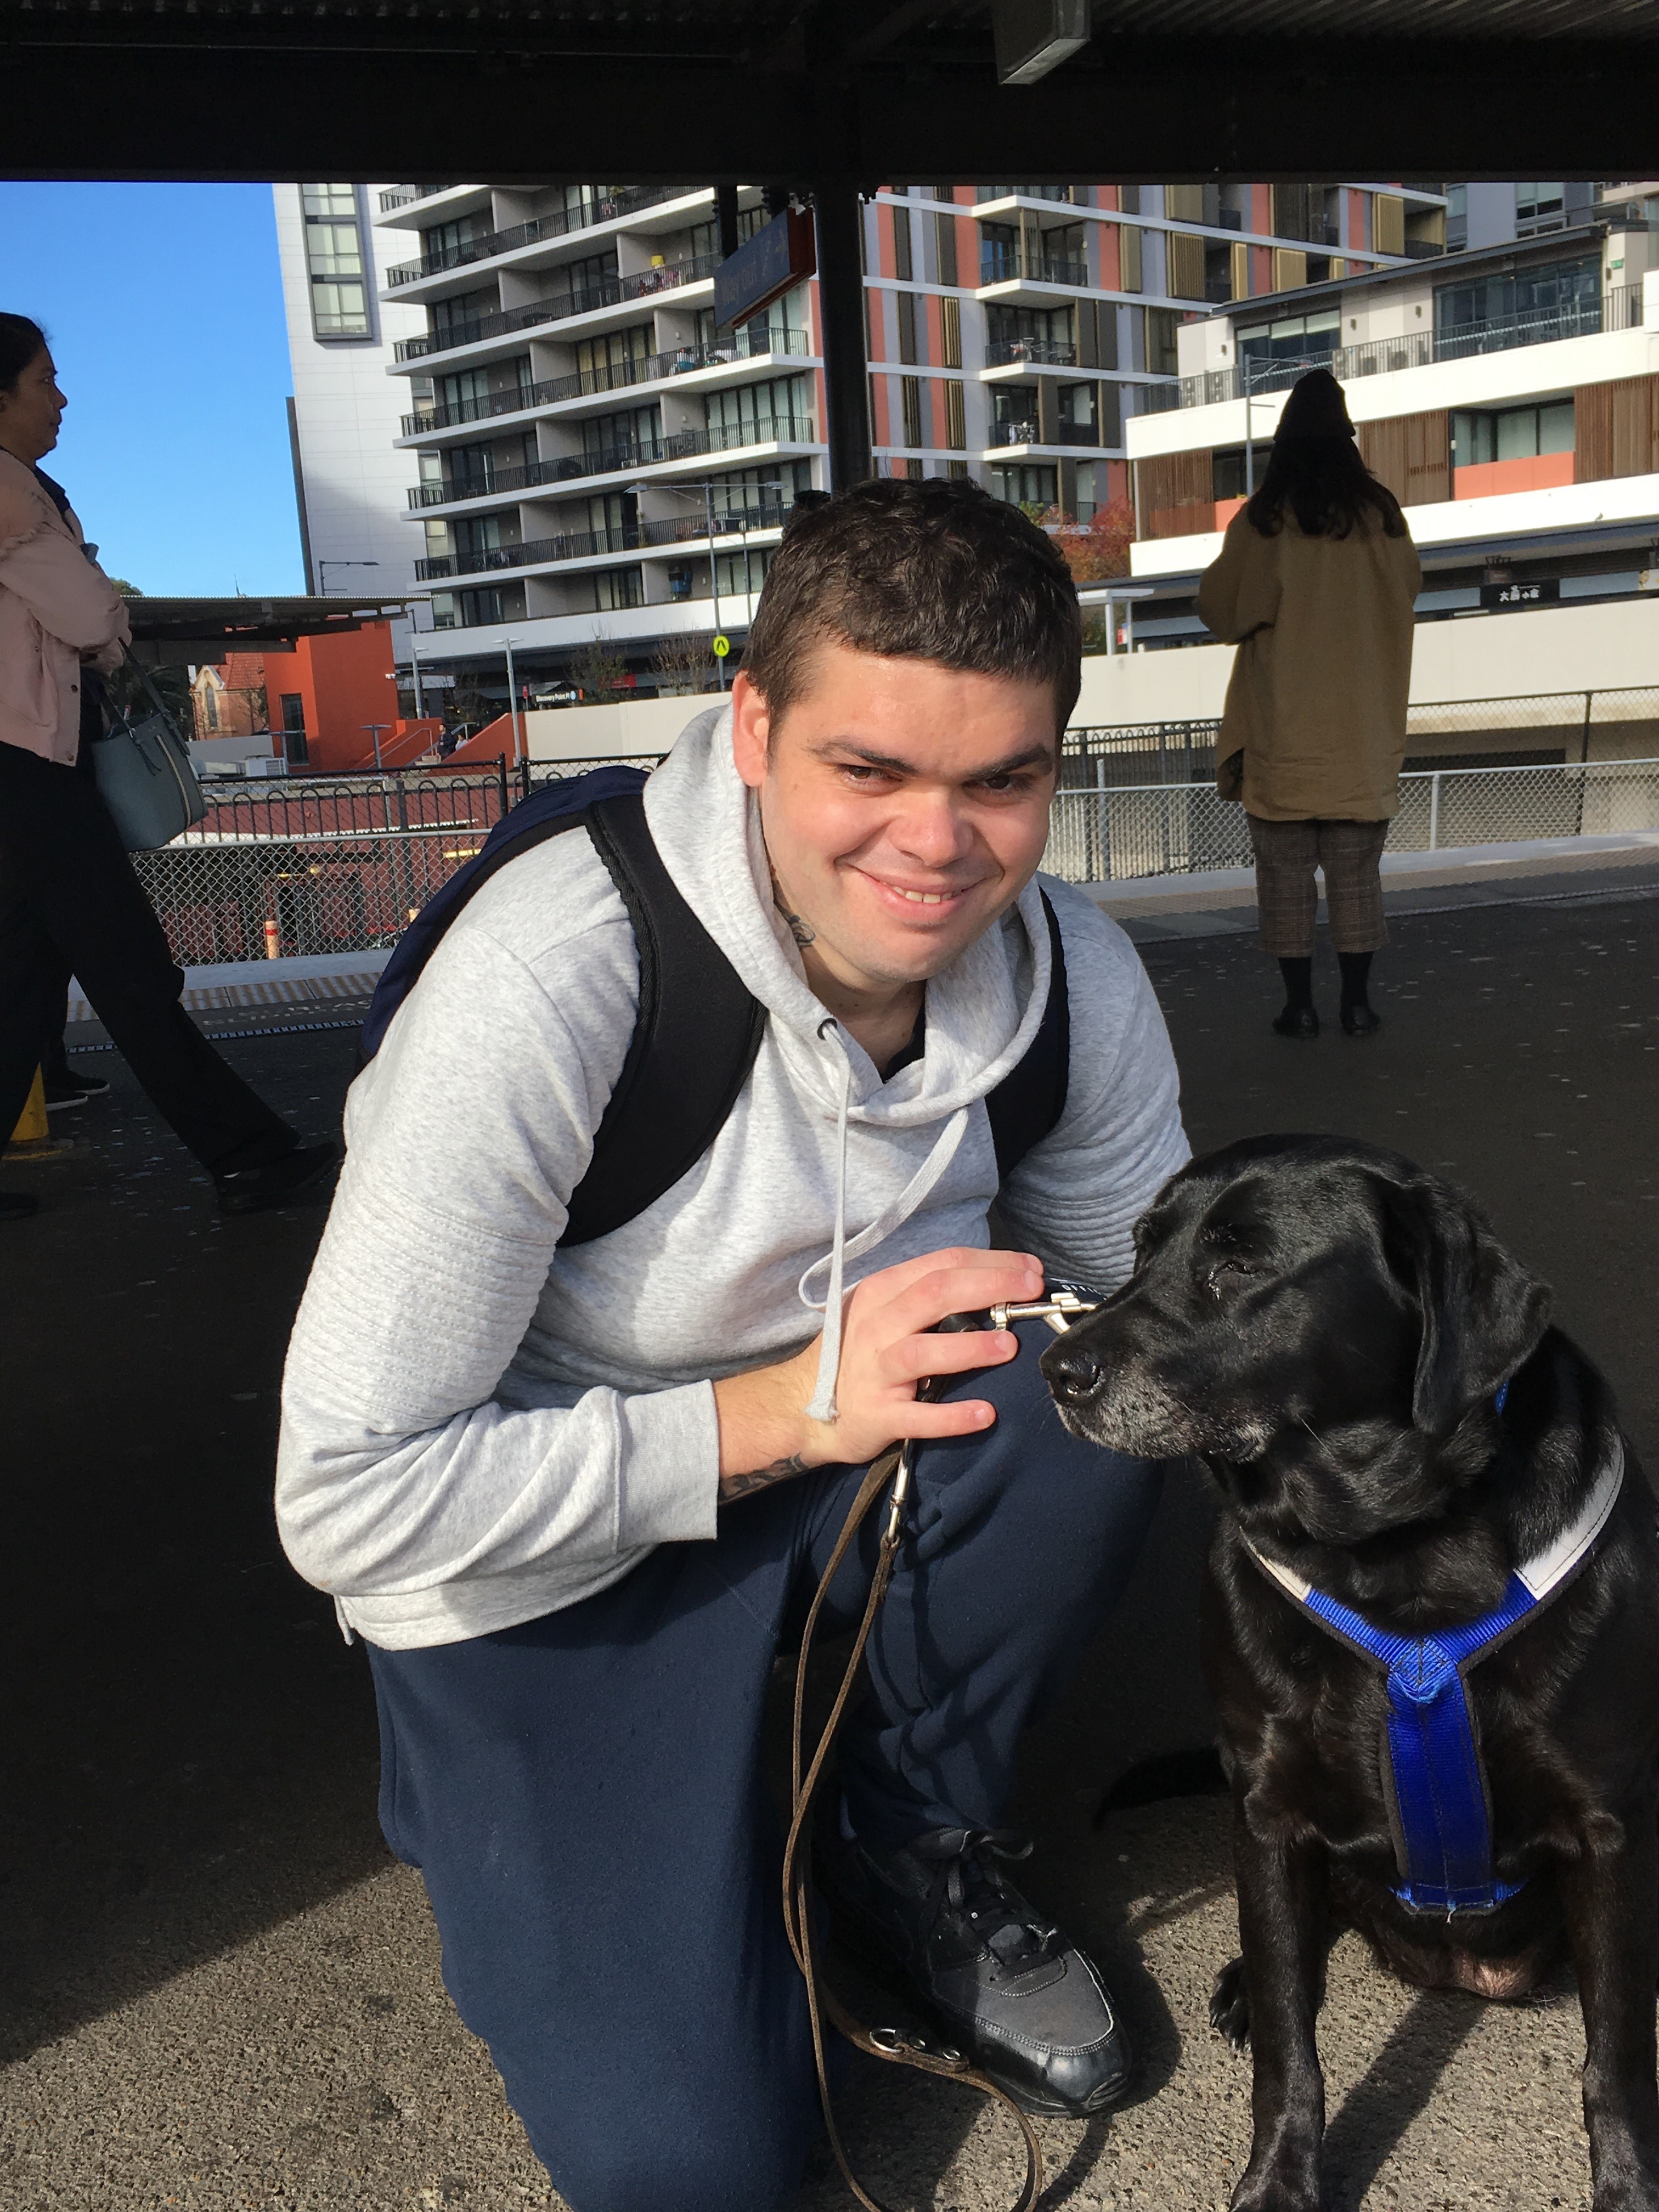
734	1487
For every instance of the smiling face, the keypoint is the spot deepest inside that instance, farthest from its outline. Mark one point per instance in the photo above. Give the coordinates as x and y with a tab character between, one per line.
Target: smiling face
905	807
31	410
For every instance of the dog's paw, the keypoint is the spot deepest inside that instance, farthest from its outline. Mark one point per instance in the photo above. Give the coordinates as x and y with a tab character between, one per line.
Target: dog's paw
1229	2007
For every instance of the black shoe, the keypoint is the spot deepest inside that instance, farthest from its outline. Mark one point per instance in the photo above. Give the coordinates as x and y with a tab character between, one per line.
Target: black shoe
1361	1021
17	1206
1297	1022
297	1175
67	1081
942	1920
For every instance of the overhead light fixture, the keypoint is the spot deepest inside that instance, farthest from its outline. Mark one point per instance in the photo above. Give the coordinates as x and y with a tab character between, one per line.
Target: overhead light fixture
1036	36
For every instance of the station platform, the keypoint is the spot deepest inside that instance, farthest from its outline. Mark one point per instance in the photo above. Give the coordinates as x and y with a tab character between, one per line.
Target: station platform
217	1988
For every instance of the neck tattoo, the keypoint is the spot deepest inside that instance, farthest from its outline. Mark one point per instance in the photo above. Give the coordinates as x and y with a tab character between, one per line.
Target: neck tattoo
800	929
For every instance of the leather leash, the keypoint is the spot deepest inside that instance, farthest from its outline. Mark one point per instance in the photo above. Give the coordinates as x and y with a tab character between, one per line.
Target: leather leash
1060	1310
889	2044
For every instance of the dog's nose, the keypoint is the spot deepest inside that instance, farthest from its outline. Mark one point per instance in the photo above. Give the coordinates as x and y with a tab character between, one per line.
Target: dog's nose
1073	1373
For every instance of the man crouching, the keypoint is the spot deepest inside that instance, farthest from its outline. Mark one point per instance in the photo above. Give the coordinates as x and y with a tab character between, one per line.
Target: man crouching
572	1495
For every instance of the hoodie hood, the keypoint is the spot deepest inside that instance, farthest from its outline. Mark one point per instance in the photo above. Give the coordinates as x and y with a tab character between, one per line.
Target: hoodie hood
982	1012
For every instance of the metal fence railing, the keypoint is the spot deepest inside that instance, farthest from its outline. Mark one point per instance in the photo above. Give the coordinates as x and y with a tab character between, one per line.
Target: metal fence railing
1109	834
341	866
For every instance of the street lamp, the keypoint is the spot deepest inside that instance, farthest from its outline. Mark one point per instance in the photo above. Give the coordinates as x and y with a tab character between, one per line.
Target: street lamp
322	576
375	728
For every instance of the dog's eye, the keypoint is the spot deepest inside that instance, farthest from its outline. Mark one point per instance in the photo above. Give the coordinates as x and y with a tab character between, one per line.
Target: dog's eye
1227	1274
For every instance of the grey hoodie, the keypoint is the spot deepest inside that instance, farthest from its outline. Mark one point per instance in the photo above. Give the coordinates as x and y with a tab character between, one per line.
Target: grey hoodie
479	1428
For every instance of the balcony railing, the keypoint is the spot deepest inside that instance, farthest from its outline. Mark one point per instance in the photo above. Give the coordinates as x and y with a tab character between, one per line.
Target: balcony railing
631	453
1619	308
559	223
1028	433
587	545
1030	353
1014	434
1009	266
559	307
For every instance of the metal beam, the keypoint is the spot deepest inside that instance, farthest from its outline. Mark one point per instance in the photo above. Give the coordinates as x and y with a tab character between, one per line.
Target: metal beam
838	214
277	107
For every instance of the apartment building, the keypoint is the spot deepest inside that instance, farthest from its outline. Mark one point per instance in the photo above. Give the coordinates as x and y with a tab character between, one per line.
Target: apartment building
1509	399
589	465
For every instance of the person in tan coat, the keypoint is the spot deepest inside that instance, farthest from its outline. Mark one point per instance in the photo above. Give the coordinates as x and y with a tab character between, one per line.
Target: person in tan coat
1316	585
70	902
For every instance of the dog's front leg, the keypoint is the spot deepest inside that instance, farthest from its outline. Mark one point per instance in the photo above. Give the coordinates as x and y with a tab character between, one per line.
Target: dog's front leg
1282	1886
1610	1894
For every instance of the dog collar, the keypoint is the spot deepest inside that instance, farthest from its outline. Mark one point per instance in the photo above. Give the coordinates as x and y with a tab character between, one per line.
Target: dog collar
1439	1806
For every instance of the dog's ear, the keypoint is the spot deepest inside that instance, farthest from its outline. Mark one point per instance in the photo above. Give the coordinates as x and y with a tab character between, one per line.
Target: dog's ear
1482	1313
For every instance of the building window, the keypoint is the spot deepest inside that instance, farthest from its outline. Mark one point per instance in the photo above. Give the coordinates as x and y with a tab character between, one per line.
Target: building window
949	332
1388	223
1557	298
955	415
1078	409
906	326
1511	434
1129	258
1029	485
1161	356
944	244
1185	260
210	703
615	588
1308	339
293	706
902	267
910	402
751	414
1539	208
334	261
957	471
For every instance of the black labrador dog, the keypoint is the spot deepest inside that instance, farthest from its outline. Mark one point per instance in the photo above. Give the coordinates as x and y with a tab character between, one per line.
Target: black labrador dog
1404	1446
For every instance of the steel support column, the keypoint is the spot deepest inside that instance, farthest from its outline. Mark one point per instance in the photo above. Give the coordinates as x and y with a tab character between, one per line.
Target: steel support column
838	213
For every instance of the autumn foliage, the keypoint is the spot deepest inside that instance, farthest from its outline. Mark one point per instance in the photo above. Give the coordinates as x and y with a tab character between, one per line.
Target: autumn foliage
1098	549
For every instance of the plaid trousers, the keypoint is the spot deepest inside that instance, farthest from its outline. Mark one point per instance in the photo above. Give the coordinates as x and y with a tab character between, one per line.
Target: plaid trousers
1287	854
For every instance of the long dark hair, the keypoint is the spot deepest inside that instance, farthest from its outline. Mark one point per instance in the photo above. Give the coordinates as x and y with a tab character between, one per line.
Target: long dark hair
1327	487
20	343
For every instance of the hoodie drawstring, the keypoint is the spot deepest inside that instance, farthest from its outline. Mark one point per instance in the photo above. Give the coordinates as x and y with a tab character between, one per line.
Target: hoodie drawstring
822	1407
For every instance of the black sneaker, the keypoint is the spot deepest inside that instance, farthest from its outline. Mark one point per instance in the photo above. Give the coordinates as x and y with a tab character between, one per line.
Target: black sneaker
942	1919
297	1175
72	1089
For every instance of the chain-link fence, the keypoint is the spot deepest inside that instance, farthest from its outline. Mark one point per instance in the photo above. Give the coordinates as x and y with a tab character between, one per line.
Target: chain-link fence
340	864
1109	834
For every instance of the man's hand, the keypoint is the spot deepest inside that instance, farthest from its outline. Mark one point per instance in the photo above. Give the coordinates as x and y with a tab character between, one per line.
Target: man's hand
887	1348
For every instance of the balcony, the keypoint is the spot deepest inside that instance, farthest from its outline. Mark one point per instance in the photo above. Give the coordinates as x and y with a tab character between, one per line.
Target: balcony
1619	308
1010	265
1030	353
631	453
581	300
1028	433
558	224
590	545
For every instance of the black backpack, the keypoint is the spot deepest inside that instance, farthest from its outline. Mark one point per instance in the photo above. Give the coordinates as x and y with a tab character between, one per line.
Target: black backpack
698	1028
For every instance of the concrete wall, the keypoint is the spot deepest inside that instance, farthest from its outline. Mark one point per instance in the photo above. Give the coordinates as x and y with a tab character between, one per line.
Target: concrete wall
634	726
1499	656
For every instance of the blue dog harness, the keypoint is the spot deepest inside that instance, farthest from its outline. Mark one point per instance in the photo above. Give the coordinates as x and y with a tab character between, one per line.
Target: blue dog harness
1442	1839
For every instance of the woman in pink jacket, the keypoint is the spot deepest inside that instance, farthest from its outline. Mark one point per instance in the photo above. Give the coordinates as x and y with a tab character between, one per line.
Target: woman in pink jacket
70	903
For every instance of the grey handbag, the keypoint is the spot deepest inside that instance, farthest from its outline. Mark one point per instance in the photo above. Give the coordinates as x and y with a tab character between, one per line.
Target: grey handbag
144	775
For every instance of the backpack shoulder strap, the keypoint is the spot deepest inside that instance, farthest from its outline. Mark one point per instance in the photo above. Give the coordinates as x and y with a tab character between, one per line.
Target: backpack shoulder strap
695	1038
1027	1103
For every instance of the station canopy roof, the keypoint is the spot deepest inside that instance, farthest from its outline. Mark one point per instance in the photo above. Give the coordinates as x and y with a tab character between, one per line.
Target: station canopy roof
854	91
167	631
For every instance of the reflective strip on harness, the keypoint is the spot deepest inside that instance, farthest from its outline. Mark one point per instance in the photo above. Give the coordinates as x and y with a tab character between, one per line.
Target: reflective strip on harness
1439	1785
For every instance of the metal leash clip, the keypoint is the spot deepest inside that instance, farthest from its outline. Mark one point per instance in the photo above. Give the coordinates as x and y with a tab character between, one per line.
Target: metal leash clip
1060	1310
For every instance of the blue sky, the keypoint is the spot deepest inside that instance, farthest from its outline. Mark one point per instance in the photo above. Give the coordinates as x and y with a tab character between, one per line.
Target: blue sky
164	307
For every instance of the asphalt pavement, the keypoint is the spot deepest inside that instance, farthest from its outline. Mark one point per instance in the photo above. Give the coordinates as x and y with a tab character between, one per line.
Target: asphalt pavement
217	1991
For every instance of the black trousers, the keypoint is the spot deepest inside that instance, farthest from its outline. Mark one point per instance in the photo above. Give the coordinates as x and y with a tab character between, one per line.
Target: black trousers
70	905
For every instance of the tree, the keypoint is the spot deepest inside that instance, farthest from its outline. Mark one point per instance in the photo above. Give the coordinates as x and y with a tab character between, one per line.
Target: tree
1098	549
599	668
682	664
127	591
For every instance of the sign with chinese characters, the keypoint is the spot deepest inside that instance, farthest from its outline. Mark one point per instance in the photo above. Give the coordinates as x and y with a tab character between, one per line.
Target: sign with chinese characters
779	255
1539	591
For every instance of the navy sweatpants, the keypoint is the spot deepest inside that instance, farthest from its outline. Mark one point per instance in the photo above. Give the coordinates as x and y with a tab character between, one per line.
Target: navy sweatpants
584	1794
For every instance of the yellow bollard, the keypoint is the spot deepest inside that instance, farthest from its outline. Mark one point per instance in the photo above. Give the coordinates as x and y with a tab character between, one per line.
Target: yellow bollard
32	1140
31	1125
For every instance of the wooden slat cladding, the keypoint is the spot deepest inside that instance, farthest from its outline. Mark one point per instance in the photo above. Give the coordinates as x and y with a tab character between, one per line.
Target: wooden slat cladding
1616	429
1176	494
1411	454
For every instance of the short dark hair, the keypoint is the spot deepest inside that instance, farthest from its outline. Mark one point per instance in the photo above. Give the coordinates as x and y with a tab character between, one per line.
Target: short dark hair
20	343
918	570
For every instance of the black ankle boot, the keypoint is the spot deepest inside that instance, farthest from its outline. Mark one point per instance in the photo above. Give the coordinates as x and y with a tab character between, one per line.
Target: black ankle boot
1297	1022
